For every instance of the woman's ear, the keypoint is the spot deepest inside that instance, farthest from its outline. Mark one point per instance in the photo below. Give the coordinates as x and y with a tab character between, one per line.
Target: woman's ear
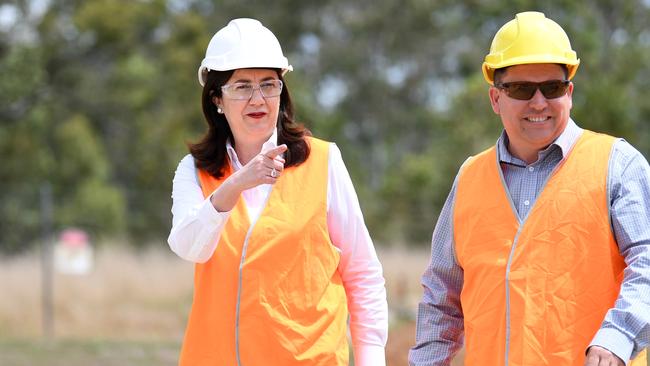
217	102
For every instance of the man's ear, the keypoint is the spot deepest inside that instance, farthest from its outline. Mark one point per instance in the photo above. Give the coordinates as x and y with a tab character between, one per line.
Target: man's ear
494	99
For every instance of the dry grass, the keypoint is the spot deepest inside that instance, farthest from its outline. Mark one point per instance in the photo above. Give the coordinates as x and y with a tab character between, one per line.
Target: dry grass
127	295
145	297
402	270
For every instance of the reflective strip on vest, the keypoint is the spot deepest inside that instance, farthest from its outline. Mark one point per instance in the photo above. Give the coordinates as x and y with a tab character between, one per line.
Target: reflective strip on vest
536	290
271	293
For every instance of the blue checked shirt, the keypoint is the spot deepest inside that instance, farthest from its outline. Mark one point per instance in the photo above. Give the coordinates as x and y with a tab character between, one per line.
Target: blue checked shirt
625	330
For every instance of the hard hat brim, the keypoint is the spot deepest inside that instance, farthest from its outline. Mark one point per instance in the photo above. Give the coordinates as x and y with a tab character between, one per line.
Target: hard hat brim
203	70
488	69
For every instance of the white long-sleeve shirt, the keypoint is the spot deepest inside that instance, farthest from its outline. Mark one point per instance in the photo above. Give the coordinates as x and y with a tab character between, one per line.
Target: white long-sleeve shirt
197	227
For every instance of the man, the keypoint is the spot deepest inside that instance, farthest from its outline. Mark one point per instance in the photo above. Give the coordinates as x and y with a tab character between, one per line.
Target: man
541	254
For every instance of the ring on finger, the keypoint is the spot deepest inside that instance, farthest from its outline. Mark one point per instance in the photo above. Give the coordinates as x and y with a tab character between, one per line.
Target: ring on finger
274	173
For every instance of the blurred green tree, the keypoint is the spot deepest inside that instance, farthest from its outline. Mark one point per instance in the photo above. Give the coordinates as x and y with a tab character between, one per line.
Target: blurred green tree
99	98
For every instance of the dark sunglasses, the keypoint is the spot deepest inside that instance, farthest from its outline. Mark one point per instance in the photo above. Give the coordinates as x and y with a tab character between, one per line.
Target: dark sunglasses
524	90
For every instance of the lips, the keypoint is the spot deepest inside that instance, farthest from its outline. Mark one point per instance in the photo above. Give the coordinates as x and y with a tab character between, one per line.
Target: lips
256	114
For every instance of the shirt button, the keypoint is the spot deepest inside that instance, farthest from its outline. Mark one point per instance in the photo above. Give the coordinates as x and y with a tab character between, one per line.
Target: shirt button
530	168
526	202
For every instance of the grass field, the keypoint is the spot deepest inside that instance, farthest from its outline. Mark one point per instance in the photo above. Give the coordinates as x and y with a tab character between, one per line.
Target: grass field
132	308
88	353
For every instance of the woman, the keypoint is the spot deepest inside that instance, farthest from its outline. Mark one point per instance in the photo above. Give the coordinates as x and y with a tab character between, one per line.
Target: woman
271	218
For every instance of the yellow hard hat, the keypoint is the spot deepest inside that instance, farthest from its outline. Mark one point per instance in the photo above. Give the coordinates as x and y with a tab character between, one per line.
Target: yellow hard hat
530	38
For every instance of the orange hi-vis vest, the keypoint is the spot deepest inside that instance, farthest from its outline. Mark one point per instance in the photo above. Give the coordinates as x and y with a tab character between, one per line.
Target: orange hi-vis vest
271	293
536	289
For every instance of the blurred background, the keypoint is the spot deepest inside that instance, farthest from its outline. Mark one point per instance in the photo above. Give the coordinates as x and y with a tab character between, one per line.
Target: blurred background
98	99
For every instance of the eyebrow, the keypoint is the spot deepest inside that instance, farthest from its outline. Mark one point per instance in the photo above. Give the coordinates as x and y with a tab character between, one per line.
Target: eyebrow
249	80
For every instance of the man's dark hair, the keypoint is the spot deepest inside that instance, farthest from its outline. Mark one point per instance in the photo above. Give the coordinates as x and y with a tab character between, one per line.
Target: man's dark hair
498	73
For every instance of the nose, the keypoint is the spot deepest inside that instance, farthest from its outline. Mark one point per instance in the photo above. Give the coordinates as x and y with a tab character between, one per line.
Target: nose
538	101
257	97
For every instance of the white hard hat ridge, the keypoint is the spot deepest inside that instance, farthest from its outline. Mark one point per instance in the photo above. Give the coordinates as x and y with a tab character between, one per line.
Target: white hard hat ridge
243	43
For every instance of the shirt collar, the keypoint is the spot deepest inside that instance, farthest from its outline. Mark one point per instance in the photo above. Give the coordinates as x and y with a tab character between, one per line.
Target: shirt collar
266	146
564	142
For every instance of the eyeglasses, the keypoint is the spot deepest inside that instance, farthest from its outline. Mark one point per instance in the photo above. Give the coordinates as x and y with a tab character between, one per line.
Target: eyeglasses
244	91
524	90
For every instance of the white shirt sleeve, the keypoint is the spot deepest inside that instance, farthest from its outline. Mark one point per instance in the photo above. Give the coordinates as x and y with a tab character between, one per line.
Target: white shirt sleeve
359	267
196	224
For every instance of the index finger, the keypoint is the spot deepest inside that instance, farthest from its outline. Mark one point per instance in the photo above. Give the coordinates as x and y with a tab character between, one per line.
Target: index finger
276	151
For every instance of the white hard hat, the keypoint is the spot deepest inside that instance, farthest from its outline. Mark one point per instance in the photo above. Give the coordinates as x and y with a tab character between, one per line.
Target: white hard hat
243	43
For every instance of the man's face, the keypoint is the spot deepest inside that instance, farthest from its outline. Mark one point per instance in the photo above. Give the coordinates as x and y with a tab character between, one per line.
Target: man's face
531	125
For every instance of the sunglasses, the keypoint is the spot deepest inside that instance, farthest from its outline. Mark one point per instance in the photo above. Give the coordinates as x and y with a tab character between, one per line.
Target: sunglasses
524	90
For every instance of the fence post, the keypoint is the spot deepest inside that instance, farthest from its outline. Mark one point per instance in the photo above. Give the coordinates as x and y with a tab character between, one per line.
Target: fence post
47	278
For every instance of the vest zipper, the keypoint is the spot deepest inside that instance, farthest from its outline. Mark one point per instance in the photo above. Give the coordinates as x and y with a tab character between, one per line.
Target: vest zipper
241	270
512	251
521	221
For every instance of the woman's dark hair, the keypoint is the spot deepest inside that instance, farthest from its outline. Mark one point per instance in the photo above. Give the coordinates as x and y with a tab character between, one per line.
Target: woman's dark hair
210	152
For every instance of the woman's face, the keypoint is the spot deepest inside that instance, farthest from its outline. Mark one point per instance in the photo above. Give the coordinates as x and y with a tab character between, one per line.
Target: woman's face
251	120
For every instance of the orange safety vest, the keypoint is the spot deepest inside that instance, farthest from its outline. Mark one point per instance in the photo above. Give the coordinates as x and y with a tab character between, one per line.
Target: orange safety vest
537	290
271	293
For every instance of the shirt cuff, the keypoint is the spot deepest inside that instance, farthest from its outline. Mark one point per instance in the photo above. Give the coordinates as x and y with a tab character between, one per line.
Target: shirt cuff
369	355
210	218
209	215
615	342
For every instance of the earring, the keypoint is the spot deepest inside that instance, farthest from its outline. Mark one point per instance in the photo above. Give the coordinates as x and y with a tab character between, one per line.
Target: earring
219	110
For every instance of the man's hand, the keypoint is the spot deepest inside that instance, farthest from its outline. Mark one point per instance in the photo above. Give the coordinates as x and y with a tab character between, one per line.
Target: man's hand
599	356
